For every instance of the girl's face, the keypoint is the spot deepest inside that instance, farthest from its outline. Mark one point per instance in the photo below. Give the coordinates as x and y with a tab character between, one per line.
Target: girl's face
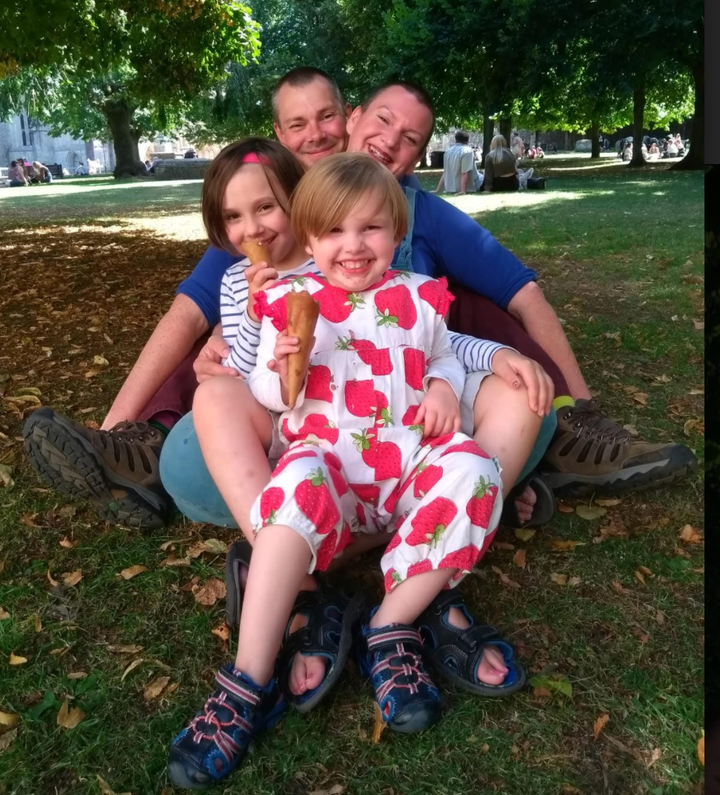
356	253
251	211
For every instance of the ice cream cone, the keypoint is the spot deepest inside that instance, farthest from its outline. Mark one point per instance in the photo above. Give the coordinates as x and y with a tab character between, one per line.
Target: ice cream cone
256	252
302	315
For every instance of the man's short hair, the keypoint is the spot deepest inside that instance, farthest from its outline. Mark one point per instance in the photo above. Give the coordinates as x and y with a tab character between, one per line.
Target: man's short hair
303	76
420	94
461	137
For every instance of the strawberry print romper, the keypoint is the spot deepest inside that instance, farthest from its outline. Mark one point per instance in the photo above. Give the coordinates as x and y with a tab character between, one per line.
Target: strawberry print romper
356	460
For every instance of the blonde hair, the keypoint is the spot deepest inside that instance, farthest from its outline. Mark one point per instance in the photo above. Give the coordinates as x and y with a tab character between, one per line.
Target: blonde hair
328	192
497	144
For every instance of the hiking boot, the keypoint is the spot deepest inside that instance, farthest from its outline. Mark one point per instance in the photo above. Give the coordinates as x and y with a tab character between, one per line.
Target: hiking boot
116	470
591	453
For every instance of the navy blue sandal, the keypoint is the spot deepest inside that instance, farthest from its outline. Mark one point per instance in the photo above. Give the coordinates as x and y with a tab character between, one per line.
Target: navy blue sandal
455	653
405	694
216	740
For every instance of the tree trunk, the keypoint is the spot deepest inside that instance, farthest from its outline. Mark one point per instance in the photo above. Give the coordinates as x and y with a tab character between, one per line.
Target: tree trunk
695	158
488	130
638	118
506	129
127	161
594	139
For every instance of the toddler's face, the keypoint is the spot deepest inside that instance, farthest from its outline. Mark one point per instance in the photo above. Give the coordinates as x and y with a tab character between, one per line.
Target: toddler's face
251	211
357	252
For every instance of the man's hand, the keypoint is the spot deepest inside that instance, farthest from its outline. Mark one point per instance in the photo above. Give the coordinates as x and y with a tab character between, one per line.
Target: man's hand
259	277
516	369
439	411
209	360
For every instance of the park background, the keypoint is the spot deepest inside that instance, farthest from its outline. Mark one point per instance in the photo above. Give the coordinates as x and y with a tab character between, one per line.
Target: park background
605	611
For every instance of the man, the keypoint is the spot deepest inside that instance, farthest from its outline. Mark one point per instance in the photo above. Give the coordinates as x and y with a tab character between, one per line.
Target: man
460	176
118	469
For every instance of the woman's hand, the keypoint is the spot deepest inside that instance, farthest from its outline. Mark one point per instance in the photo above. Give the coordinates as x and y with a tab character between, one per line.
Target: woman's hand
259	277
209	360
439	411
516	369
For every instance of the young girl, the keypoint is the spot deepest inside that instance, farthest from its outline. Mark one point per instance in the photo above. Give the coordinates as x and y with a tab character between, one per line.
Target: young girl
360	461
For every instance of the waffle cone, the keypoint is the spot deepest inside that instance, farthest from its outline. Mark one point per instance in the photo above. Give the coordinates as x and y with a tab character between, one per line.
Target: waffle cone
302	315
256	252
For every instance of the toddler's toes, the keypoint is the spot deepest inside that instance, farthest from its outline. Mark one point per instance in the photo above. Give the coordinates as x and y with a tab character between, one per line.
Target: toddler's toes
492	669
306	674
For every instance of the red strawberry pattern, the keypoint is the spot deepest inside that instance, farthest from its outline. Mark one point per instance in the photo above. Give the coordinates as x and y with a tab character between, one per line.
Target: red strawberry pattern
470	446
420	567
367	493
383	412
388	461
436	293
346	538
318	383
463	559
395	541
392	578
289	457
360	398
395	307
426	479
313	498
337	305
317	425
480	505
378	359
332	460
341	486
270	501
414	367
360	513
326	550
431	521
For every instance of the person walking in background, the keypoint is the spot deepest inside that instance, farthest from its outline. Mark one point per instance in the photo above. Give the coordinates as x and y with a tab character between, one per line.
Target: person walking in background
460	175
501	171
517	146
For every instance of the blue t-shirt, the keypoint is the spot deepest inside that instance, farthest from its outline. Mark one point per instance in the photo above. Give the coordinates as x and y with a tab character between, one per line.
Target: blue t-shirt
445	242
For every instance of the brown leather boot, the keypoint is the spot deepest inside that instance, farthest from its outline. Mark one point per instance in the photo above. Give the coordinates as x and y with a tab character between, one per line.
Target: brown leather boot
591	453
116	470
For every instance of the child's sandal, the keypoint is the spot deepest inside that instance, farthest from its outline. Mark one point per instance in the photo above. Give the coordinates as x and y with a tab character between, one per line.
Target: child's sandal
404	692
216	740
456	653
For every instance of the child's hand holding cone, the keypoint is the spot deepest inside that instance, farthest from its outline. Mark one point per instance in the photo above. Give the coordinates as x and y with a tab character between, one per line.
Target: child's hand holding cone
260	275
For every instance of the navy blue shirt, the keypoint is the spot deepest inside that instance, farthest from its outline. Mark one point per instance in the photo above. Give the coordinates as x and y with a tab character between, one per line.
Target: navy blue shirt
445	242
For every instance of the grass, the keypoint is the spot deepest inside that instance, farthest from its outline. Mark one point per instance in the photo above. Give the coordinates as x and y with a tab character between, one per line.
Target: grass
89	267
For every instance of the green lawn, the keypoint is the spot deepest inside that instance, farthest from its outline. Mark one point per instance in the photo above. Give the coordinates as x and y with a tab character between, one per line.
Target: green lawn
88	268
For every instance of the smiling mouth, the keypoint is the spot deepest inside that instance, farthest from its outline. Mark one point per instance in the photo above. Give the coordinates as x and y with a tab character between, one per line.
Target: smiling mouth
355	266
378	155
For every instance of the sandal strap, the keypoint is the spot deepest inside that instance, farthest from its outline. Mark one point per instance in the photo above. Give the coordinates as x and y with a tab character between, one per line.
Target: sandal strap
316	637
236	689
389	638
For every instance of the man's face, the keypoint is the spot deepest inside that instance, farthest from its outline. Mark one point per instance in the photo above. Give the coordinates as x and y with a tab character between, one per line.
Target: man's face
393	129
310	123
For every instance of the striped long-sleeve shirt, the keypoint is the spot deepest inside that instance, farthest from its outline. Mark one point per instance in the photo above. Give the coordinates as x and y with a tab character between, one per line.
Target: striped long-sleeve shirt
242	333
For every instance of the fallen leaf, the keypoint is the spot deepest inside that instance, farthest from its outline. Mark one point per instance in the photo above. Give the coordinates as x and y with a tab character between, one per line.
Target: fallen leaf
524	534
688	535
631	429
72	577
101	361
155	688
600	724
379	724
52	582
106	790
59	652
520	558
640	576
37	623
196	550
133	665
3	614
608	503
504	579
190	584
92	373
132	571
9	720
503	545
660	617
77	675
6	476
67	543
574	581
568	789
619	588
701	749
641	398
164	547
67	511
699	325
209	593
694	426
563	508
654	756
590	512
556	683
120	648
683	553
69	718
542	692
175	561
28	519
215	546
7	739
559	545
15	659
612	335
222	632
559	579
646	571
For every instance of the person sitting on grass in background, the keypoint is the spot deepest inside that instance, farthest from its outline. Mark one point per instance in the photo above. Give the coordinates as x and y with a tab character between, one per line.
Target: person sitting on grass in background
355	458
16	175
460	175
501	171
42	173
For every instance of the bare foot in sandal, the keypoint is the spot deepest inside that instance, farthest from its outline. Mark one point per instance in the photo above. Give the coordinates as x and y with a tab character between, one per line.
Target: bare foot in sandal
306	672
492	669
525	505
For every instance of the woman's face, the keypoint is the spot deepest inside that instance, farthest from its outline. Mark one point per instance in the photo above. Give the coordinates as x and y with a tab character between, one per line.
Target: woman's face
252	211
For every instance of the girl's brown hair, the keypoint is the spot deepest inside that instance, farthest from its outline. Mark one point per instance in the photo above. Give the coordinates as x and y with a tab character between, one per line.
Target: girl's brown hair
331	188
282	169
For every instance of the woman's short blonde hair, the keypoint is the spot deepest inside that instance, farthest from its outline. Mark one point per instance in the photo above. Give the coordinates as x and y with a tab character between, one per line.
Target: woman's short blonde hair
498	142
329	190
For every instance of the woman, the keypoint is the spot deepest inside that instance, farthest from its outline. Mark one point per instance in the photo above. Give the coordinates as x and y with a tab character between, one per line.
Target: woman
501	171
16	175
42	173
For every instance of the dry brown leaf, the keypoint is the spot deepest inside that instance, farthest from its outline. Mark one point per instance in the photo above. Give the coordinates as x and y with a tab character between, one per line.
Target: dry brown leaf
16	659
640	576
699	325
175	561
689	535
559	579
133	665
641	398
120	648
196	550
9	720
563	508
132	571
520	558
569	789
379	724
69	718
37	622
3	614
52	582
608	503
164	547
504	579
701	750
171	688
106	790
222	632
67	543
660	617
524	533
92	373
7	739
574	581
189	585
542	692
72	577
560	545
654	756
631	429
59	652
101	361
215	546
209	593
503	545
600	724
646	571
28	519
77	675
590	512
155	688
6	476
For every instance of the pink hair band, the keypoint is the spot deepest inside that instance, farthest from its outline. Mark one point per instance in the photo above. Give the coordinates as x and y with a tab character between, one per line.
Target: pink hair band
253	157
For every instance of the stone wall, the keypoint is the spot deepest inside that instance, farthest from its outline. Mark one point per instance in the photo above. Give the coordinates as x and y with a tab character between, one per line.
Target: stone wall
194	168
